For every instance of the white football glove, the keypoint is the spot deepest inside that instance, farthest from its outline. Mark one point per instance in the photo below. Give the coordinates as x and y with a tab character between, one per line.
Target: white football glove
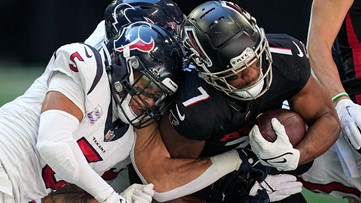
350	117
138	193
279	154
278	187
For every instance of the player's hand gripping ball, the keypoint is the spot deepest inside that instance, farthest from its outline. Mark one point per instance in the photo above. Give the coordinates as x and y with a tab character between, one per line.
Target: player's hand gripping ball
294	125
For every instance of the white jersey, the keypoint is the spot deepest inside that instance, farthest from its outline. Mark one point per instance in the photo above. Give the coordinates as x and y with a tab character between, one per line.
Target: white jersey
98	36
328	176
102	144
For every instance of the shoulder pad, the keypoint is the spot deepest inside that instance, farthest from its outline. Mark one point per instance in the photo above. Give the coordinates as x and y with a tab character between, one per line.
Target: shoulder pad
81	62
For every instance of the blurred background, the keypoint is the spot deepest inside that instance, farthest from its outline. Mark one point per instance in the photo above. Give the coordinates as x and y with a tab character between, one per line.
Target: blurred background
32	30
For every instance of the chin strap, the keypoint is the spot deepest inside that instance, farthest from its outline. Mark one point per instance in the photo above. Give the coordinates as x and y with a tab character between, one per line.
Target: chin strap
108	59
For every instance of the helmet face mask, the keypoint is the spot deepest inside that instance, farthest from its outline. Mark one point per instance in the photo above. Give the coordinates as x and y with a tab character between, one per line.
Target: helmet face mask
145	72
144	101
223	40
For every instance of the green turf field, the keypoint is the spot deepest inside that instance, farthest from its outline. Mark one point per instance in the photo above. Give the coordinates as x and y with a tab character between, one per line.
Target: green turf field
15	80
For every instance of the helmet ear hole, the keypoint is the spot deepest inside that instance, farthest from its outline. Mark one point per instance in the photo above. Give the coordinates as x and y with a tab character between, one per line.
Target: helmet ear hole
134	62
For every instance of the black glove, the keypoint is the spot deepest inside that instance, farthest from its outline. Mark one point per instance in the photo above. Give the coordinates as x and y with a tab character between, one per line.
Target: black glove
251	165
237	184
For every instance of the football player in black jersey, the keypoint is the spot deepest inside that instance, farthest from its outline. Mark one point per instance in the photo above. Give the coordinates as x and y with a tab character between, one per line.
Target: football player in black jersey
240	73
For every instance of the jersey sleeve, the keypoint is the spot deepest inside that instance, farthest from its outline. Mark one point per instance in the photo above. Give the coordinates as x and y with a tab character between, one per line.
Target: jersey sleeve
75	70
303	67
65	85
290	61
189	114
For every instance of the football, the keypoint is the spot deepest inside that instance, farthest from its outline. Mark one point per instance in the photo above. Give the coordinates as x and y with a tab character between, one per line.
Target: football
294	125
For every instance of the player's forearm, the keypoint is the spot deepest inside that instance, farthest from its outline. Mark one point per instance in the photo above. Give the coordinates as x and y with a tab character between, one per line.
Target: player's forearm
319	137
175	178
325	69
156	166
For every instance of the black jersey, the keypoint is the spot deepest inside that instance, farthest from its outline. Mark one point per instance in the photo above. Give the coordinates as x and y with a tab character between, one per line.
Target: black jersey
201	112
347	52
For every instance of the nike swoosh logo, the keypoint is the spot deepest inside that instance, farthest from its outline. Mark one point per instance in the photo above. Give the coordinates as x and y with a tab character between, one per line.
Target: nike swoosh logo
181	117
283	160
87	54
348	110
300	53
278	159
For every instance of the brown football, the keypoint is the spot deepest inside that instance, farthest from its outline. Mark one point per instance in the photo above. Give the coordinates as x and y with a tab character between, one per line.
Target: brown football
294	125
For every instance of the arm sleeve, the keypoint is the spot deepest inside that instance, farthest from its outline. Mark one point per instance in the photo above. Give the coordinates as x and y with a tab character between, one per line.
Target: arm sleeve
61	152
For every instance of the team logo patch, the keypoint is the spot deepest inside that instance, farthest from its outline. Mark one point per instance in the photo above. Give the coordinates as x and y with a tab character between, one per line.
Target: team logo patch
95	114
141	39
109	136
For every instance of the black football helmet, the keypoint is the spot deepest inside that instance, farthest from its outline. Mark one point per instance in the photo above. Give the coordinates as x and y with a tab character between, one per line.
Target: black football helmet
164	13
145	68
223	40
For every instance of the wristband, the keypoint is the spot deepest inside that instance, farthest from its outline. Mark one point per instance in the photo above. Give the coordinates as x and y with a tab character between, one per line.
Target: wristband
342	94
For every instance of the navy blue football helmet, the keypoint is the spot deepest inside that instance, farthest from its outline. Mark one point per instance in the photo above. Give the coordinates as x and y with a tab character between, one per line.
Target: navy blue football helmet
145	69
164	13
223	40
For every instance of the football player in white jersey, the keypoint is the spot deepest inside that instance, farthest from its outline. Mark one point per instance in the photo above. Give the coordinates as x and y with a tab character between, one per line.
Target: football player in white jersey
67	128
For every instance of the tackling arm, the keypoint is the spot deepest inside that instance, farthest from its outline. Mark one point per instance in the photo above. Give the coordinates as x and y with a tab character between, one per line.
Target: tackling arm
173	178
177	145
56	145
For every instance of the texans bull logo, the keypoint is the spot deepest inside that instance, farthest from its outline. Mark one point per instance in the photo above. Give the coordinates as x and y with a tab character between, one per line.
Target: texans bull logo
136	37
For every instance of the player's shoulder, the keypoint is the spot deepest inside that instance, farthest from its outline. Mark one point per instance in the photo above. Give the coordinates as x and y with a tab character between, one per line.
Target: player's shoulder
79	61
193	91
289	56
77	51
192	105
286	45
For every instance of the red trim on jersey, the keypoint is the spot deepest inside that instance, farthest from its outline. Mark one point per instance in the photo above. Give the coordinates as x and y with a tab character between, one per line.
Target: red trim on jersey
328	188
110	174
355	45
